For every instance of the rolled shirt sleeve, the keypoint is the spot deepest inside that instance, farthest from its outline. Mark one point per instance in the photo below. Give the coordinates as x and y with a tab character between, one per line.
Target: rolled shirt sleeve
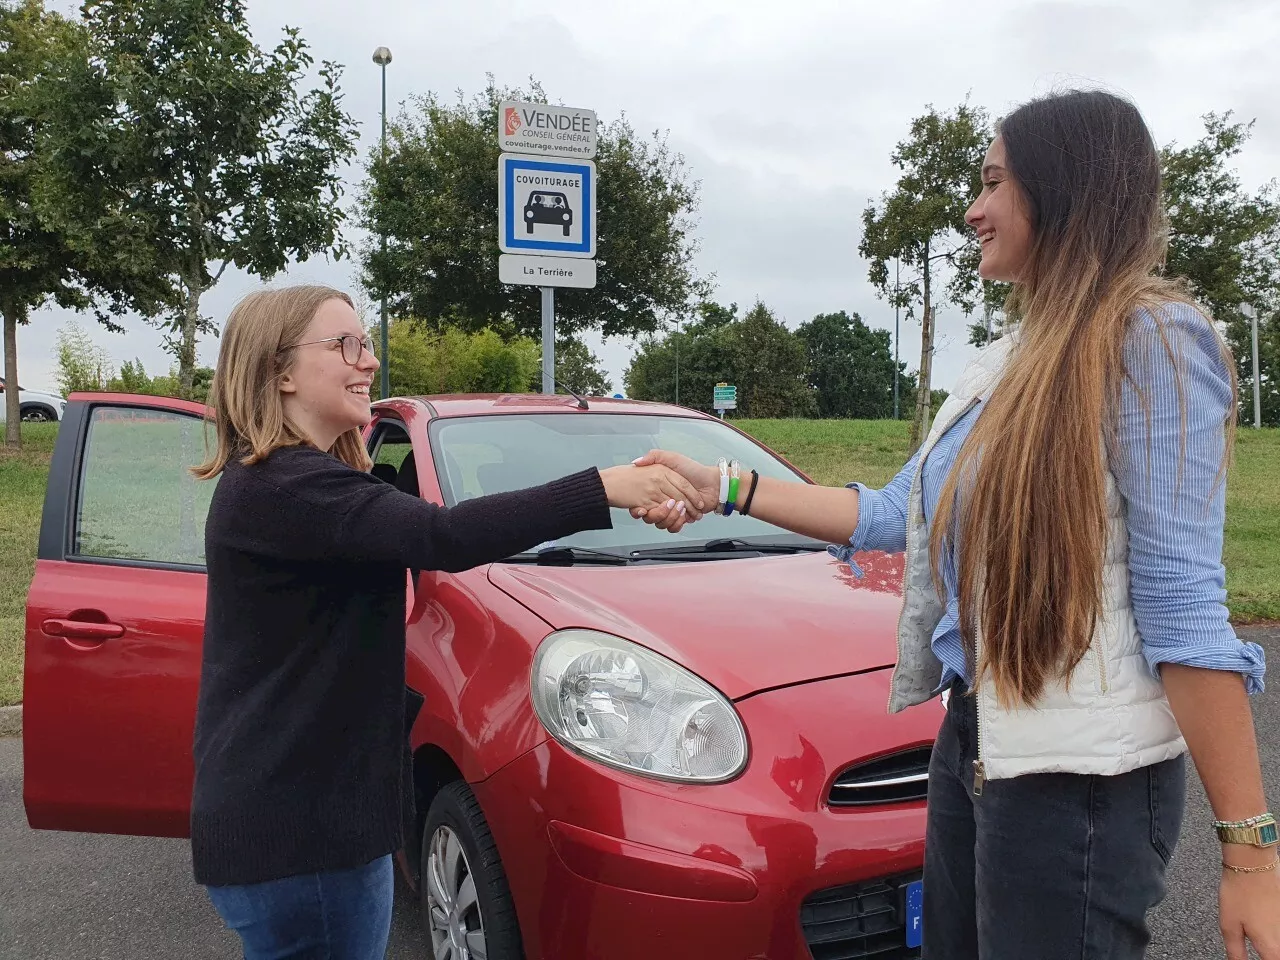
1175	494
882	516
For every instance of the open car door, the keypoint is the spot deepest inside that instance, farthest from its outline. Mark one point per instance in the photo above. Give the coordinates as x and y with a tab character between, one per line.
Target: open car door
115	620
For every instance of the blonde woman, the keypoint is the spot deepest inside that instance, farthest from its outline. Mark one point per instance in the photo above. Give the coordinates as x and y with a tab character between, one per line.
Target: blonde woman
300	719
1063	527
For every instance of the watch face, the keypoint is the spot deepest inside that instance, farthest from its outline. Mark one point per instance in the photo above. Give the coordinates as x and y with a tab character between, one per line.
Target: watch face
1267	833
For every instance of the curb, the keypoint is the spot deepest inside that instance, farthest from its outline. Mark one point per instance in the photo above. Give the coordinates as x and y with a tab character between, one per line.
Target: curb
11	721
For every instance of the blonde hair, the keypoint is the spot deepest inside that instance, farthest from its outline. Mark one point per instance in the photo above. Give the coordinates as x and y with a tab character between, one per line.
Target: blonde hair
245	405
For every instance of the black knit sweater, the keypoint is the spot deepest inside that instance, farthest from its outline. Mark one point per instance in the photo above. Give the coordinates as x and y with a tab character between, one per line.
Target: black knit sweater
300	724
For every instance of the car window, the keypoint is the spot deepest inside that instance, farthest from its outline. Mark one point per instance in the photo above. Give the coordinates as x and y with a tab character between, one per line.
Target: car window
138	499
392	446
476	456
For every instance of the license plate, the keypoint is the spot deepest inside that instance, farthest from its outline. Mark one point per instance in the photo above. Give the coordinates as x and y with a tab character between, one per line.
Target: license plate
915	914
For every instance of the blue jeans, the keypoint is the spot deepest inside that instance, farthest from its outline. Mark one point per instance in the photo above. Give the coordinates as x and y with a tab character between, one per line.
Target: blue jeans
1055	866
336	915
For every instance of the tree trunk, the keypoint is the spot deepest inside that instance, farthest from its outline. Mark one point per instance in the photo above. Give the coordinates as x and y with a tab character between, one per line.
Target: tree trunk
920	422
187	349
12	411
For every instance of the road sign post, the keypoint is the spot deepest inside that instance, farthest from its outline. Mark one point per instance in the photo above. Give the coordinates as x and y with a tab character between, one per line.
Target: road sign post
724	397
544	130
547	271
547	205
548	340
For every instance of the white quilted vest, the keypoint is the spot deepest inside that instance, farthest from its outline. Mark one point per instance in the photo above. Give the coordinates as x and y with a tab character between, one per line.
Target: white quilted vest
1113	716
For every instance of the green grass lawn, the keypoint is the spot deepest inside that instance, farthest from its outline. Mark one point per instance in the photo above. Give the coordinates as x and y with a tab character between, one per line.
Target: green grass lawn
22	480
832	452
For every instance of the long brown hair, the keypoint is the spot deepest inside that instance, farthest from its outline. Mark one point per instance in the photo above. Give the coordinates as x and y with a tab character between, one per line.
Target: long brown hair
248	414
1031	521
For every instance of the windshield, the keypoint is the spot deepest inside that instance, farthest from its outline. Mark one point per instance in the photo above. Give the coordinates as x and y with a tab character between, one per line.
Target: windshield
476	456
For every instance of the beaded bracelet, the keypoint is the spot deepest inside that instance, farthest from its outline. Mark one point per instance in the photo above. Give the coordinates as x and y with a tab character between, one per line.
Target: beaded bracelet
1245	824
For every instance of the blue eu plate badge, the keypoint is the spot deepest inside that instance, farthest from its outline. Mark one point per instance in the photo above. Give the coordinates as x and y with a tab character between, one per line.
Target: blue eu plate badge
915	914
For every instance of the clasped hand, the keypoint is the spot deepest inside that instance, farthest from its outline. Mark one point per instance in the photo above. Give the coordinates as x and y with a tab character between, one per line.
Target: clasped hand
664	489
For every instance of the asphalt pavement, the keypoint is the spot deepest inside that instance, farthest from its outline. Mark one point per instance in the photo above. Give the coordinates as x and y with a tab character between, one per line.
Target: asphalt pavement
66	896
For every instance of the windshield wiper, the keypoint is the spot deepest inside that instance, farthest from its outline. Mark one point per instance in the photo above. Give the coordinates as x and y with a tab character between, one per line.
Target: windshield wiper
728	545
565	556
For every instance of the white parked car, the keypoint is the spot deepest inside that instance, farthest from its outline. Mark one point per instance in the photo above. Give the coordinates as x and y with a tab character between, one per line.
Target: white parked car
35	406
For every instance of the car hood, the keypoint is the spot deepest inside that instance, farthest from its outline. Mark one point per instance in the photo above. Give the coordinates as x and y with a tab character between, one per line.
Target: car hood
39	395
743	625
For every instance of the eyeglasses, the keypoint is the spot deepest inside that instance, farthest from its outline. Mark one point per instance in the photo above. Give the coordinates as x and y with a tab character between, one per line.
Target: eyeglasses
353	347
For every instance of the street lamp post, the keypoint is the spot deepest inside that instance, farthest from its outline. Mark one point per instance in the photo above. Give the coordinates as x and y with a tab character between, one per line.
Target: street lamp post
677	361
382	56
896	334
1250	311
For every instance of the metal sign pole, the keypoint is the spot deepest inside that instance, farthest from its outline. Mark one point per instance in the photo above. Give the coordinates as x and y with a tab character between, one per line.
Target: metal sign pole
1257	383
548	339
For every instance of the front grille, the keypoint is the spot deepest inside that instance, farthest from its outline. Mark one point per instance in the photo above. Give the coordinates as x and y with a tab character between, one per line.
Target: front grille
897	778
859	920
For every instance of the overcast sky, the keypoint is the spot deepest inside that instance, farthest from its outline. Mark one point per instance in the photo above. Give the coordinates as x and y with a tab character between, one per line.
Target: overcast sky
786	112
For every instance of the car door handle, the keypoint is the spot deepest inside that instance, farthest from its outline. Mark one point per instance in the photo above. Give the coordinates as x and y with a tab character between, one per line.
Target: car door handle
82	629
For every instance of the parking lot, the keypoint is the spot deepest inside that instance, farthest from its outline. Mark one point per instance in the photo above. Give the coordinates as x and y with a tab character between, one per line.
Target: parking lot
82	897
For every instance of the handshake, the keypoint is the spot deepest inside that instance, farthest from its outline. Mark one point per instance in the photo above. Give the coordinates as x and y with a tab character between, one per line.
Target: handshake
663	488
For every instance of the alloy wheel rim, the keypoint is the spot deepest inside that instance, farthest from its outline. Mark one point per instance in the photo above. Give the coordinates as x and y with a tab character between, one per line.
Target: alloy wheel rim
453	905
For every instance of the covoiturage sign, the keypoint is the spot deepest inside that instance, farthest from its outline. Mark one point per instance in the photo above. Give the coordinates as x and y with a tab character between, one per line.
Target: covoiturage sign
545	130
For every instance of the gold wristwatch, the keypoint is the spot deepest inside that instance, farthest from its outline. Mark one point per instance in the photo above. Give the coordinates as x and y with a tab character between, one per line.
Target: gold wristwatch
1259	831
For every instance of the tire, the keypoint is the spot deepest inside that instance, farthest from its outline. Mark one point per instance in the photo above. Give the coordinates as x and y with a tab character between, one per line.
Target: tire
566	231
457	845
37	415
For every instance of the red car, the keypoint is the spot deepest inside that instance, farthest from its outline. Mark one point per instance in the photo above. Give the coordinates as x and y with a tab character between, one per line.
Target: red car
633	744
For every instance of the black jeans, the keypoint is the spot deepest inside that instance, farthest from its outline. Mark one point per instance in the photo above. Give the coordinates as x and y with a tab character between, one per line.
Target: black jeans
1054	866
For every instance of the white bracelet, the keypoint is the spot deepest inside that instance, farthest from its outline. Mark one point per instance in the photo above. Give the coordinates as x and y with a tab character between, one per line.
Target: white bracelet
724	485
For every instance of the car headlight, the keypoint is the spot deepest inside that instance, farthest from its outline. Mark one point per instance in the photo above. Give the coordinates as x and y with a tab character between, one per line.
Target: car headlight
623	705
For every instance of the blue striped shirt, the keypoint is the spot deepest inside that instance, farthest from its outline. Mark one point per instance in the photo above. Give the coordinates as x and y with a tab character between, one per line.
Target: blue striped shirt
1175	503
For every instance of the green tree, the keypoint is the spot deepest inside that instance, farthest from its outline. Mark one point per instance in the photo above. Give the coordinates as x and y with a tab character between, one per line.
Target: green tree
133	378
757	354
713	316
1225	242
849	366
39	262
996	321
701	359
921	225
685	365
179	136
579	369
435	196
771	368
451	360
83	366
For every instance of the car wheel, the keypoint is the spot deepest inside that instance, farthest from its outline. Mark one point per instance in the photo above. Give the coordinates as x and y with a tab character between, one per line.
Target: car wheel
36	415
467	909
566	231
528	227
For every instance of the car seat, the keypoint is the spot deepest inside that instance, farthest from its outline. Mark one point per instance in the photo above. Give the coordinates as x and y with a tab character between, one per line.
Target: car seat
407	478
385	472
